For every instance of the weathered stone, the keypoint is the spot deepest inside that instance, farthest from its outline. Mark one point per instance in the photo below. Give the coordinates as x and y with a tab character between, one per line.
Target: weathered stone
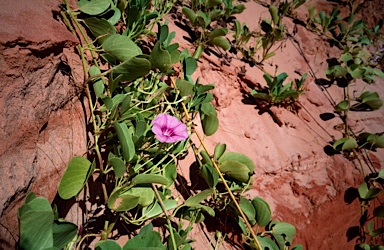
42	123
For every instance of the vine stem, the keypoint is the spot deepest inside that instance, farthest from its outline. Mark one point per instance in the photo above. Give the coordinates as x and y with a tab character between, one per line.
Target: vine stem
166	215
244	217
84	64
86	236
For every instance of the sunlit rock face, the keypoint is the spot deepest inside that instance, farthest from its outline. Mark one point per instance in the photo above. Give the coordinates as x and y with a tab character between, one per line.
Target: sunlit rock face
42	120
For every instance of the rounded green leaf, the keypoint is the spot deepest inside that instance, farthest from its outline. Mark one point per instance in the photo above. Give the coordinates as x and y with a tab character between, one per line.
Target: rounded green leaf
339	143
366	193
122	202
107	245
210	124
298	247
125	138
189	65
219	150
218	32
283	232
336	71
150	178
248	209
146	195
63	233
74	177
133	69
36	224
100	28
160	58
121	47
349	144
190	14
220	42
194	201
379	212
185	87
266	243
274	14
239	158
93	7
155	209
342	106
263	211
235	169
118	166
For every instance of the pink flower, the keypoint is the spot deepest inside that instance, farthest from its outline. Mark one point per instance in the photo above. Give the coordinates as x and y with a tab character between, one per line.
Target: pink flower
169	129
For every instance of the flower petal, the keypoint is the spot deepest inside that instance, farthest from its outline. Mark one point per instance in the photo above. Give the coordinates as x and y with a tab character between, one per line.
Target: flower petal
169	129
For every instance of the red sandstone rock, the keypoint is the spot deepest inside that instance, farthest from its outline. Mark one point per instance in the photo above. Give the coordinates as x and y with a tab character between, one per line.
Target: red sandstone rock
42	123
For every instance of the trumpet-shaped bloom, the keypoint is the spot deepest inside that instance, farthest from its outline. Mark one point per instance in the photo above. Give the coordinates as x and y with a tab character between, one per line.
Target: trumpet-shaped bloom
169	129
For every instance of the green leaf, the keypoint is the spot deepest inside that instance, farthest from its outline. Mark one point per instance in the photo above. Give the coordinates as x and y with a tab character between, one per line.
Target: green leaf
160	58
355	71
235	169
342	106
210	124
190	14
374	233
114	19
381	174
100	28
121	47
121	202
298	247
107	245
210	175
203	19
212	3
98	83
93	7
220	42
372	99
239	158
185	87
118	166
349	144
336	71
339	143
283	232
151	240
74	177
345	57
146	195
219	150
150	178
378	72
30	197
263	211
366	193
63	233
266	243
274	14
170	172
36	224
125	138
218	32
189	65
155	209
195	200
379	212
133	69
377	141
312	12
248	209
